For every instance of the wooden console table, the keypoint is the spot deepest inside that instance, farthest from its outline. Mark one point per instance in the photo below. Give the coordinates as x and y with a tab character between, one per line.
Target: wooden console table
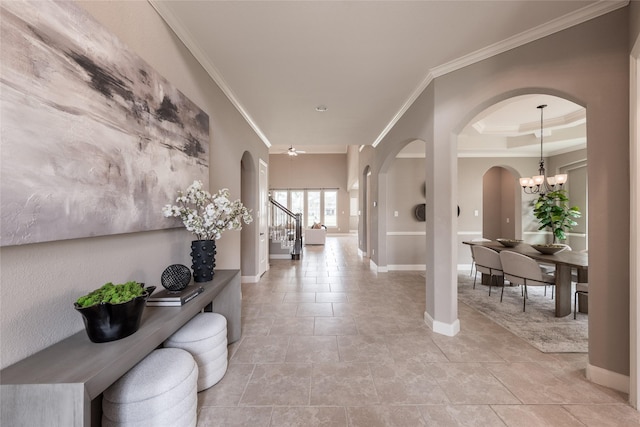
62	385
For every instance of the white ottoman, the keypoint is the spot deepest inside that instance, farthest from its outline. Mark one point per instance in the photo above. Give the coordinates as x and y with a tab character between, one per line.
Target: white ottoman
205	337
161	390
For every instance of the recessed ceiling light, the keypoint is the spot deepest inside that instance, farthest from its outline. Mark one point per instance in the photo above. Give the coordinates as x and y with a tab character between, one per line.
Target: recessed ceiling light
321	108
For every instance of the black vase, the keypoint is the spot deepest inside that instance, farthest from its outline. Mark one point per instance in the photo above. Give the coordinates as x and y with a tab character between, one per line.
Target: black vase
203	259
107	322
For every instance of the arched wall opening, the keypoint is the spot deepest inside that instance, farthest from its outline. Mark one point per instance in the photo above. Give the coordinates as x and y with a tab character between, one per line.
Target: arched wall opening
401	223
500	200
500	144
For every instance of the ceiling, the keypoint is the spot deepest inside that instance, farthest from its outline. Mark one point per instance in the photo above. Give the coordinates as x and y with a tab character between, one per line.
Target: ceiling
365	61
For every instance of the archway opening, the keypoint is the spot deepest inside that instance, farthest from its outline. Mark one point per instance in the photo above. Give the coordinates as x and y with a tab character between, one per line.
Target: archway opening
499	202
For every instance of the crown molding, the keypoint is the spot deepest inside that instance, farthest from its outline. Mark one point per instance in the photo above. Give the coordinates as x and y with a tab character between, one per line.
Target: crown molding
186	38
572	19
587	13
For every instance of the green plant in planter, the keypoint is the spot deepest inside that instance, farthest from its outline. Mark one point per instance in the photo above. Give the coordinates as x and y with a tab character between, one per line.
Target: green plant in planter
553	211
114	294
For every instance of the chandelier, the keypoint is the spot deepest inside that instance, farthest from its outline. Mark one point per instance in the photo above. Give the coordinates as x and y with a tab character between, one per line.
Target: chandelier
541	183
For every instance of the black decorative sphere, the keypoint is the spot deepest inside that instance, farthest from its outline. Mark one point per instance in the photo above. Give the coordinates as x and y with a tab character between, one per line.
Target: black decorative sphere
176	277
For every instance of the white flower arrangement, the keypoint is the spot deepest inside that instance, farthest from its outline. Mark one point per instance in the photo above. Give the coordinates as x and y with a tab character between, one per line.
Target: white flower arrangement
208	215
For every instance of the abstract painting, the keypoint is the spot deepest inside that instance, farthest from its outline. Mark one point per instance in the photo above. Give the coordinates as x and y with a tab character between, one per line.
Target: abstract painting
93	140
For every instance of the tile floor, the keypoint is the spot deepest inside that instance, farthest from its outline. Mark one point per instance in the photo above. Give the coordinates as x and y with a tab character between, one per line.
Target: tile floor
327	342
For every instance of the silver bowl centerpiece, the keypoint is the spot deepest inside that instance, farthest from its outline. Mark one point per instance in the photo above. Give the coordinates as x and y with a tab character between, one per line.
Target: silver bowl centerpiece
509	243
549	249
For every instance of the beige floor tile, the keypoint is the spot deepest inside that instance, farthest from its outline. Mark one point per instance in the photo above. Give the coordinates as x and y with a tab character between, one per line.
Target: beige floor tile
385	416
311	309
256	326
278	384
414	347
620	415
342	384
234	417
292	326
335	326
312	349
536	416
460	416
287	309
534	384
406	383
228	391
331	296
363	348
309	416
270	349
300	297
471	384
326	341
466	347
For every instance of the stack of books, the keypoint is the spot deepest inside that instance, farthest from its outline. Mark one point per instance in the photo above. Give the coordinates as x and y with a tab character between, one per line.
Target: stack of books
166	297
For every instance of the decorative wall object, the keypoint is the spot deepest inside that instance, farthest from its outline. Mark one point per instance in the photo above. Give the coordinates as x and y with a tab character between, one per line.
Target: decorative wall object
94	141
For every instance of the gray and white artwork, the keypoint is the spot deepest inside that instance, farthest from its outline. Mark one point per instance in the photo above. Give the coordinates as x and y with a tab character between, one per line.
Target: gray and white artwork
93	141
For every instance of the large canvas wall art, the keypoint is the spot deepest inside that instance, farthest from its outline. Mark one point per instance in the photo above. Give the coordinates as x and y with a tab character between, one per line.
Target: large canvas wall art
93	140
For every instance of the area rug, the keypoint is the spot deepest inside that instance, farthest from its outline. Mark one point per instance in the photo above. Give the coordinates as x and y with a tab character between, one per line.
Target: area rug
537	325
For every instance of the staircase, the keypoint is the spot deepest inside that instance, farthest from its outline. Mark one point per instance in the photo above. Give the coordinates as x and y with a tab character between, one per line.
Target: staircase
285	232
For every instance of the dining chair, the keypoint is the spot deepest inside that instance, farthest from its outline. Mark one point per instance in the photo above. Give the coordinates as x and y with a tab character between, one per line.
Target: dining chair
522	270
473	260
582	289
488	262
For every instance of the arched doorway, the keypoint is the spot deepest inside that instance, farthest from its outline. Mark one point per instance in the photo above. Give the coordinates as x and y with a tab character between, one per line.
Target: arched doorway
500	200
501	143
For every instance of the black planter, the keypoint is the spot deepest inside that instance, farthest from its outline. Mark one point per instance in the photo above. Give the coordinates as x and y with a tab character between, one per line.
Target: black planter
203	258
106	322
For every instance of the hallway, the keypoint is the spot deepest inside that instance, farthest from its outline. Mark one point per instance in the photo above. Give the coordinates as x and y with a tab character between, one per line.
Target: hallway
327	342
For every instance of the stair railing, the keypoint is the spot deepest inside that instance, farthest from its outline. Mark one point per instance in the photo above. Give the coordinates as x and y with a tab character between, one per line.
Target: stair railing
286	227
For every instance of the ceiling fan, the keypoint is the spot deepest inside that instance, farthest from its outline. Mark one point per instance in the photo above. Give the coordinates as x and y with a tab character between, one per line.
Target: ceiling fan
293	152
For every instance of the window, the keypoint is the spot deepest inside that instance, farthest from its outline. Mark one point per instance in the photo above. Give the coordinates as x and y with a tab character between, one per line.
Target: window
297	201
316	206
280	196
331	208
313	207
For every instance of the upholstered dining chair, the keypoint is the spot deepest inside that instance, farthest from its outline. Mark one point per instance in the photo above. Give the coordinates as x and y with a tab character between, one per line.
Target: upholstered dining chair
473	260
521	270
488	262
582	289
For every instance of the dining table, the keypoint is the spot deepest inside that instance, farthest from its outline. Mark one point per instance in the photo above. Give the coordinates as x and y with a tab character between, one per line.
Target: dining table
565	262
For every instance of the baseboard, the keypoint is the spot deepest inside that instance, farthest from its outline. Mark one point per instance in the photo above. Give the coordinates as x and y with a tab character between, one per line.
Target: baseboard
377	269
608	378
250	279
279	256
447	329
407	267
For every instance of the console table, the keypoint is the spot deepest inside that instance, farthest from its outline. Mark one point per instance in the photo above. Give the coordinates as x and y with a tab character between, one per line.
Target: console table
62	385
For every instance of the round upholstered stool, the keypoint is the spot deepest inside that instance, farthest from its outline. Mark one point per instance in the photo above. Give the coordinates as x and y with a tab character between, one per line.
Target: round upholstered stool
161	390
205	337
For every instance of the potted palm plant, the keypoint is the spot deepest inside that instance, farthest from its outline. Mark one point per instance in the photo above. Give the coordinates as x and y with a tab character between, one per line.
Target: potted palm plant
553	211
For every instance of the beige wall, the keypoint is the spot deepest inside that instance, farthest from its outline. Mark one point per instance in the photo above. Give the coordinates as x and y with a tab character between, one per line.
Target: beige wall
313	171
588	64
405	234
41	281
